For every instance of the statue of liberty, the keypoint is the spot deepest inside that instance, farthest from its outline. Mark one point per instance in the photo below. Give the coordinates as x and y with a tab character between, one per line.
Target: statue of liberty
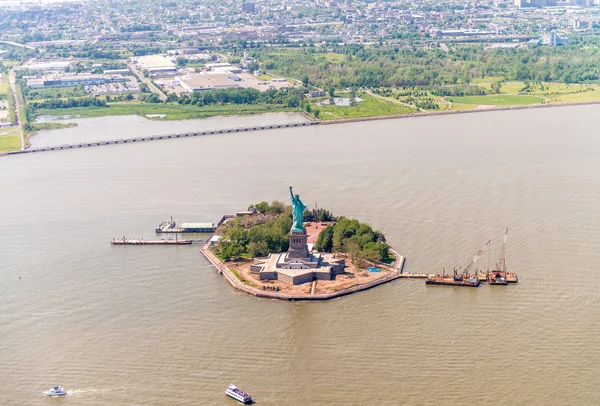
298	213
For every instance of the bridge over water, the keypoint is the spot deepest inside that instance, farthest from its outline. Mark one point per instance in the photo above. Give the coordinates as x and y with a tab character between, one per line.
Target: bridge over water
160	137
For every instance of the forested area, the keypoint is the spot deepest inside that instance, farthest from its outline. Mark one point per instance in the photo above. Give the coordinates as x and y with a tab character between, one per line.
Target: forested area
66	103
268	231
359	66
356	239
238	95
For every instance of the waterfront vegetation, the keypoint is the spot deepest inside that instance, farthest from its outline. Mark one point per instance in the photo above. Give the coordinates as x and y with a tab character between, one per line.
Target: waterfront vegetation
34	127
171	111
496	100
268	231
356	239
370	106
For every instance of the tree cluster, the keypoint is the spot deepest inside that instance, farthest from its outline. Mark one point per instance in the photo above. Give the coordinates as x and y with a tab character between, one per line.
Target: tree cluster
257	240
70	102
359	240
238	95
361	66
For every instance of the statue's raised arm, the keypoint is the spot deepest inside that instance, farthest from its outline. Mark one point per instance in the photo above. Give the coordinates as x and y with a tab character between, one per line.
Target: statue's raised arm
291	193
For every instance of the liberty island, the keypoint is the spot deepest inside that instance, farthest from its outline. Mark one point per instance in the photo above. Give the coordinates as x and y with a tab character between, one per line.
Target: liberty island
254	261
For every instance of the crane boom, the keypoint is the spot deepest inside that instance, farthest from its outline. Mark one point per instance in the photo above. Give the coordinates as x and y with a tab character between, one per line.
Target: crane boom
502	260
477	256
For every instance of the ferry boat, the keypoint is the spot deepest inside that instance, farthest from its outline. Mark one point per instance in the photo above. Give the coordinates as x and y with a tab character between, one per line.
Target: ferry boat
56	392
238	394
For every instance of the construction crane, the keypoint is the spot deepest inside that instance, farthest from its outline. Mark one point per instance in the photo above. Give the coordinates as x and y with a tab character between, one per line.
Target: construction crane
476	257
502	260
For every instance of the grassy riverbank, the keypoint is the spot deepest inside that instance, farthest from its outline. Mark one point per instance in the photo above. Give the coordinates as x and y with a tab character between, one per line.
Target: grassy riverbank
50	126
370	106
10	139
496	100
170	111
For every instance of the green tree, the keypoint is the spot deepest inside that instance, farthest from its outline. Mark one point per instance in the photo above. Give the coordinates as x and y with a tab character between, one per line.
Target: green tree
325	240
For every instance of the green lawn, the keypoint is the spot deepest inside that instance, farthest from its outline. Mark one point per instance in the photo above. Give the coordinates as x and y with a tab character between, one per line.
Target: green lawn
55	92
172	111
369	107
576	97
5	86
458	106
10	139
496	100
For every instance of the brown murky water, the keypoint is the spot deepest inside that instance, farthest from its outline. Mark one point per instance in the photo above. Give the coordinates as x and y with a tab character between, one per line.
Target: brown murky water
157	326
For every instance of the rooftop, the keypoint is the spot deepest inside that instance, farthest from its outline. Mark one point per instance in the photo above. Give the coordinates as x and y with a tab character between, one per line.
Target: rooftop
154	61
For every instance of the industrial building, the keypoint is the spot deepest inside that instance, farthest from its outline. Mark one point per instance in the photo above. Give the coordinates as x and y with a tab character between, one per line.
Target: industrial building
155	64
73	80
198	228
204	81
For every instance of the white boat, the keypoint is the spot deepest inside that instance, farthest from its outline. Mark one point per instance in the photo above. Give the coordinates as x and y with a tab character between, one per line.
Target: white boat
238	394
56	391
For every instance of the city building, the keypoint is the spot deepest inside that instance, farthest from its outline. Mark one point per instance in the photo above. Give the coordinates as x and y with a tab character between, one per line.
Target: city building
204	81
248	7
155	63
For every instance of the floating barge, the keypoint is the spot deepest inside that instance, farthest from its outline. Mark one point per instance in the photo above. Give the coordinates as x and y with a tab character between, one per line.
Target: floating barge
453	280
137	241
499	275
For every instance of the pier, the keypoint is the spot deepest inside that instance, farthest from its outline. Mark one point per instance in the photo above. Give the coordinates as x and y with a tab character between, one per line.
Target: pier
160	137
139	241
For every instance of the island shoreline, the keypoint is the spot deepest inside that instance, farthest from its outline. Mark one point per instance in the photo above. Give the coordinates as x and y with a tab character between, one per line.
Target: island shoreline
222	269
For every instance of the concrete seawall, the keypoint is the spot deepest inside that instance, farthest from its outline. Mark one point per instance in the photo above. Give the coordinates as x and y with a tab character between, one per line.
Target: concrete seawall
455	112
236	283
278	126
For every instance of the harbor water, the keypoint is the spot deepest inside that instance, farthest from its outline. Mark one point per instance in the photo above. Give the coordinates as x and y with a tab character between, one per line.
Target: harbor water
156	325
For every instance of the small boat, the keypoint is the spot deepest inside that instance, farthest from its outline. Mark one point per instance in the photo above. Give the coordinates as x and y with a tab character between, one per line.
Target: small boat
238	394
56	391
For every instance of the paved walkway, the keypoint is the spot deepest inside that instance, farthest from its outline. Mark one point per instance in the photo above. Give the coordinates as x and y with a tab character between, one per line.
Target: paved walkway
393	100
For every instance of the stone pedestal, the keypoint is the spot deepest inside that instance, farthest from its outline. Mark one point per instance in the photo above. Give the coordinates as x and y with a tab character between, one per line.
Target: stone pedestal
298	247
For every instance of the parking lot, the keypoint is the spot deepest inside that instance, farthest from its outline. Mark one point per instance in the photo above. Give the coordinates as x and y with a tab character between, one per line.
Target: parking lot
115	87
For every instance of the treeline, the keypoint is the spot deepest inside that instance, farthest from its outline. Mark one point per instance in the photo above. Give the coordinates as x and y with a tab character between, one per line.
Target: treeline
359	66
359	240
238	95
67	103
258	240
268	231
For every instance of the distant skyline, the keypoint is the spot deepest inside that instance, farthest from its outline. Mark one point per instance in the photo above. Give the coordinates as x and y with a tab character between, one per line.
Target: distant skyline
17	2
